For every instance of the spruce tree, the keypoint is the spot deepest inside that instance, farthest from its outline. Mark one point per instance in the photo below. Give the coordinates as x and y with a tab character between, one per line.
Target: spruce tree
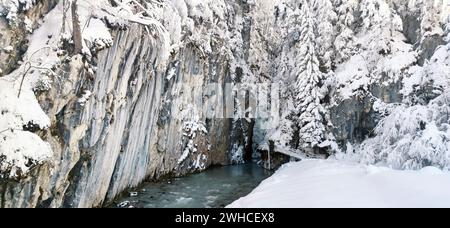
291	28
345	39
308	96
325	18
377	18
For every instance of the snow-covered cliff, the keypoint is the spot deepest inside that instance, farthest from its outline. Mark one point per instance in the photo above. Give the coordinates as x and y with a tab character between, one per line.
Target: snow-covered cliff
77	129
105	123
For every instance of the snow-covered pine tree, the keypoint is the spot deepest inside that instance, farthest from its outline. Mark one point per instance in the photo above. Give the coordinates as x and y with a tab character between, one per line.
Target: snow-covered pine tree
283	136
345	39
377	18
430	28
292	21
291	29
307	89
430	13
325	32
289	16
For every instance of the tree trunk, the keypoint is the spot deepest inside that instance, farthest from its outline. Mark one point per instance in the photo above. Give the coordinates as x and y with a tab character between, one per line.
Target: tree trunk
63	30
77	39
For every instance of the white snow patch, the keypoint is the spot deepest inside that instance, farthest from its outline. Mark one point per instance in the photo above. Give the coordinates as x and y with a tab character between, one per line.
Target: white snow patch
86	95
8	49
352	76
16	112
96	35
334	184
237	154
20	150
171	74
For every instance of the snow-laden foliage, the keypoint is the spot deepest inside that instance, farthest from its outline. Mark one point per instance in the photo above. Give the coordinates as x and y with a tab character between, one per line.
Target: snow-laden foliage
301	79
417	133
422	83
325	31
307	91
412	137
371	47
283	135
377	51
345	37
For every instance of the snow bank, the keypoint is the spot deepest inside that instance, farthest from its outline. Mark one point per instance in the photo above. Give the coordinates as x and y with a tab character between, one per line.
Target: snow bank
97	35
20	150
329	183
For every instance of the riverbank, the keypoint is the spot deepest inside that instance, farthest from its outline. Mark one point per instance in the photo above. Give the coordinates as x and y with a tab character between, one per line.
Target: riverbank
336	184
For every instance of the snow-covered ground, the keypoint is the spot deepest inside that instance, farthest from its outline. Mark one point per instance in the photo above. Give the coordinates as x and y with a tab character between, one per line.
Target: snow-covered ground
336	184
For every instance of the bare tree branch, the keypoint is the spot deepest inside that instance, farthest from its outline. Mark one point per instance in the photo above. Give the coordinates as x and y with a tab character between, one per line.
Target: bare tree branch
28	66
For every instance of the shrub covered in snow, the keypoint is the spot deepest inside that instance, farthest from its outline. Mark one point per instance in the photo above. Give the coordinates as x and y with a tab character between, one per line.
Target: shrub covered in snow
412	137
416	134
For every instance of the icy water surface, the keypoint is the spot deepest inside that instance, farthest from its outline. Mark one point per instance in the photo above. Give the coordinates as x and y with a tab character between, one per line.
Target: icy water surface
216	187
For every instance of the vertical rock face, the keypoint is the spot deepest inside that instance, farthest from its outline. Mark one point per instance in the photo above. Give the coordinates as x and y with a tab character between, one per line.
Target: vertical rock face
127	130
355	119
114	132
29	192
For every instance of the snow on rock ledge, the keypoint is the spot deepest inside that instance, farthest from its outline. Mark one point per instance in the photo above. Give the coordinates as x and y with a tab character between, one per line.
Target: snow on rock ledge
20	150
328	183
